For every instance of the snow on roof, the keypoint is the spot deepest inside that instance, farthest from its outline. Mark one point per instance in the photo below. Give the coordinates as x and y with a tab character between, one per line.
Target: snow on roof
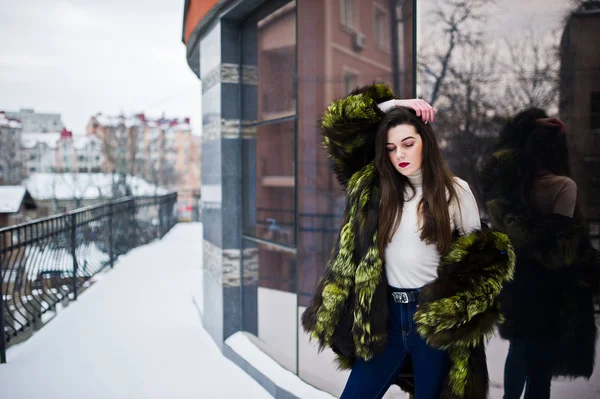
114	121
142	120
11	198
183	126
80	142
64	186
30	140
7	122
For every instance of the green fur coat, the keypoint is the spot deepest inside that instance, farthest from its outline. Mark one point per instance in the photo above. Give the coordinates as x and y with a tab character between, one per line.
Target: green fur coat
457	311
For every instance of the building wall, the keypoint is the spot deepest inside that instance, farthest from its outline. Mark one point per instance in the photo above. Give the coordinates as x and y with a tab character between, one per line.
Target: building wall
11	159
196	9
36	122
580	106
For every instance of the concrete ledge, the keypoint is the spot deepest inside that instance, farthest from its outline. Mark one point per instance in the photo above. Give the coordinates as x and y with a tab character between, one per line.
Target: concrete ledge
274	390
276	379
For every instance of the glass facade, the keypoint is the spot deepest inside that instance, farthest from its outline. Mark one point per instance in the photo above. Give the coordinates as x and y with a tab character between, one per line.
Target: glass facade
478	62
481	65
296	58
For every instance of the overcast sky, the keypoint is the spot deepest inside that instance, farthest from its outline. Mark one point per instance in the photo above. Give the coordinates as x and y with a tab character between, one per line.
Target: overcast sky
80	57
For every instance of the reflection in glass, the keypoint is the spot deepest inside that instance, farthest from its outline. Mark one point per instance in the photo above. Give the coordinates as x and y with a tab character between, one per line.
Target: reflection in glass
342	45
269	183
479	63
269	300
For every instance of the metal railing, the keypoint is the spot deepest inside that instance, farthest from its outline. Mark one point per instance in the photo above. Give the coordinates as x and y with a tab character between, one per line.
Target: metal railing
46	263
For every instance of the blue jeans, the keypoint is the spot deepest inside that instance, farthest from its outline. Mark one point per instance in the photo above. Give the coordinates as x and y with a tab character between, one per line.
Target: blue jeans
526	364
371	379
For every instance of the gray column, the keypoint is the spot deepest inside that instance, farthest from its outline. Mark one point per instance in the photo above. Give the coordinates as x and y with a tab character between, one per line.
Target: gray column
221	180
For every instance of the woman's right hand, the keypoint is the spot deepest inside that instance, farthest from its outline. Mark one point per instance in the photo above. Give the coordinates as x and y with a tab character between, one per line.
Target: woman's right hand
421	107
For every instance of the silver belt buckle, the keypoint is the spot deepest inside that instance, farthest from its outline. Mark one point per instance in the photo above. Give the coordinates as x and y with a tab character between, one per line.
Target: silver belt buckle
400	297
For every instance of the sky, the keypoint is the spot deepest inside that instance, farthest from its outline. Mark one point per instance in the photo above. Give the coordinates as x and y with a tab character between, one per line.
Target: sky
81	57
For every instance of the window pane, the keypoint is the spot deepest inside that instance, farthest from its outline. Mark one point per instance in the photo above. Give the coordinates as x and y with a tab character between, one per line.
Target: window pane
333	60
269	58
269	184
269	310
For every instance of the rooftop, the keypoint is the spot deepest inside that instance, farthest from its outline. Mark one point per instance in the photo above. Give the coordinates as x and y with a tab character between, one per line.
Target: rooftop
66	186
8	122
142	120
12	197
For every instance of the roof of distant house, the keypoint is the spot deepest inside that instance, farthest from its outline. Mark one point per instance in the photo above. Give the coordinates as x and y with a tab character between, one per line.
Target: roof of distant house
143	121
12	197
30	140
66	186
80	142
6	121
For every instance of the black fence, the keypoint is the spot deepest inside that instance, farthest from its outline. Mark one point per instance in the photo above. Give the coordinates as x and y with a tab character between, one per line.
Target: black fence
46	263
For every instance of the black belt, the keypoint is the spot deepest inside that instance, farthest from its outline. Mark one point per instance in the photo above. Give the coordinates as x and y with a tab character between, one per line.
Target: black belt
405	296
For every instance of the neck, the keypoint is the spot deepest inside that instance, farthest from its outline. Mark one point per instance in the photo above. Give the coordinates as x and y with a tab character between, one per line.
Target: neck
416	178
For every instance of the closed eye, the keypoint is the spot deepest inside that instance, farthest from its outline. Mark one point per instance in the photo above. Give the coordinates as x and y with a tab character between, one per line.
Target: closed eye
390	149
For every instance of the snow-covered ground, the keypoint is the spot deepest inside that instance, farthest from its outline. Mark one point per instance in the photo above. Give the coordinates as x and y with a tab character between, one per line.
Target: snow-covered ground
136	334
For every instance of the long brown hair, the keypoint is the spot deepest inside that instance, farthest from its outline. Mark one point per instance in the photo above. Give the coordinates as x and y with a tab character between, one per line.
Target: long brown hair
438	185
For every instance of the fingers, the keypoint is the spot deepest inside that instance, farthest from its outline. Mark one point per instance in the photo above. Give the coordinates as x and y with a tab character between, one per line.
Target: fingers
427	111
423	110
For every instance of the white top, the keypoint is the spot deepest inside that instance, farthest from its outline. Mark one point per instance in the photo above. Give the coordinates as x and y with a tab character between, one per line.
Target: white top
412	263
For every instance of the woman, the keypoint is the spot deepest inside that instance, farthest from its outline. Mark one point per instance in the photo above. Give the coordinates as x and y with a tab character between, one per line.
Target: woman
396	252
548	308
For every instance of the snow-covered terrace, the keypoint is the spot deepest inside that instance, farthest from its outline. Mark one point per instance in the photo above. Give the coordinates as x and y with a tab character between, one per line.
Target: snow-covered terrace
137	333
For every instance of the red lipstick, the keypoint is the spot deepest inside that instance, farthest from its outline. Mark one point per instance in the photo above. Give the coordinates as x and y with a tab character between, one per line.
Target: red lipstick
403	164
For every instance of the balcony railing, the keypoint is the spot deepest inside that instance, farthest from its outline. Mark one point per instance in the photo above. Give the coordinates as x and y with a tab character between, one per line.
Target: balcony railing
46	263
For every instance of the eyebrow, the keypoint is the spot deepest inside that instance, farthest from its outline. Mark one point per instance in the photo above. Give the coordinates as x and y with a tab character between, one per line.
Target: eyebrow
403	140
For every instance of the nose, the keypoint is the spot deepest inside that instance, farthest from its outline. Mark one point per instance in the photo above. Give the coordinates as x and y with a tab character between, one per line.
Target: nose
400	153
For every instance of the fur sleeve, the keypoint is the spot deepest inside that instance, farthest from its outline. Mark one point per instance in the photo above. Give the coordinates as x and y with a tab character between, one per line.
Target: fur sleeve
348	128
459	308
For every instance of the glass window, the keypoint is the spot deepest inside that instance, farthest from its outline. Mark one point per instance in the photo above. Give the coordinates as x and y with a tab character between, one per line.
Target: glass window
269	300
269	109
269	102
348	14
380	27
269	183
350	81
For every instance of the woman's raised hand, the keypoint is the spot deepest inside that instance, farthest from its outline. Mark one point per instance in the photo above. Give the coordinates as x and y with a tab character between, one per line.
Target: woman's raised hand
421	107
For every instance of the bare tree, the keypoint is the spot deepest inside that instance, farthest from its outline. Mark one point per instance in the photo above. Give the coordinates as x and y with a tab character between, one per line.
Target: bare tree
11	165
458	78
468	123
460	26
120	150
532	73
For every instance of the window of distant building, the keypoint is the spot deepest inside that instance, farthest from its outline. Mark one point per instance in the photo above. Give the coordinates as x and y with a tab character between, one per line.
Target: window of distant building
348	13
595	111
350	80
380	24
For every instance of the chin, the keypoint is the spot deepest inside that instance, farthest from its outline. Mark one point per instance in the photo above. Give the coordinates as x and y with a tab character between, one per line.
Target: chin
406	172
